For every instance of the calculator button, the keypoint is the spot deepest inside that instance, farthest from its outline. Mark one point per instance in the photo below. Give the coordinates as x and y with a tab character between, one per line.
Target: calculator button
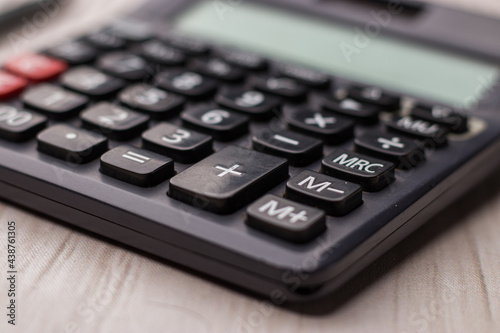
73	52
305	76
186	83
300	150
286	219
445	116
162	54
54	101
189	45
403	151
218	69
124	65
371	173
254	103
105	41
36	67
336	197
419	128
229	179
361	112
183	145
19	125
376	96
331	128
113	121
91	82
137	166
11	85
280	86
240	58
72	144
155	102
131	30
222	124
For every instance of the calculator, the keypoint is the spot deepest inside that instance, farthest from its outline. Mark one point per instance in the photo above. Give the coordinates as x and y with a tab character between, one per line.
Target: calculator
278	146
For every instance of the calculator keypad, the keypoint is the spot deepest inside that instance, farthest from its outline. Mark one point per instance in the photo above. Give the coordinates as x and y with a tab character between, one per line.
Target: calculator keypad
179	100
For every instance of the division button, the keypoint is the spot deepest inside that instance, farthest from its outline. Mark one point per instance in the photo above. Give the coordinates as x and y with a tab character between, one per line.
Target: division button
286	219
136	166
336	197
404	152
228	180
371	173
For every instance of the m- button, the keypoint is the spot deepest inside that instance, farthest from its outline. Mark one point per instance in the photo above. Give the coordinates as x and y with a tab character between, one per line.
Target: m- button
371	173
336	197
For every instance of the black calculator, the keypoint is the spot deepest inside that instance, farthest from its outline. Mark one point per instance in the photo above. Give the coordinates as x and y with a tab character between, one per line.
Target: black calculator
279	146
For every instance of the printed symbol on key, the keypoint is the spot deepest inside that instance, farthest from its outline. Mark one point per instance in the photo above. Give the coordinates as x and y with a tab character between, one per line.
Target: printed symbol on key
71	136
320	120
187	81
388	144
130	155
231	170
349	104
372	93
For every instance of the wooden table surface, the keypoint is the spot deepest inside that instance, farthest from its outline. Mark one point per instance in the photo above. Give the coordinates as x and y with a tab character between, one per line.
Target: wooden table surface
443	278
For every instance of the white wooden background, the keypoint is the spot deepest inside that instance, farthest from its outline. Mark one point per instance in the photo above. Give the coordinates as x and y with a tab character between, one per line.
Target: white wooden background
444	278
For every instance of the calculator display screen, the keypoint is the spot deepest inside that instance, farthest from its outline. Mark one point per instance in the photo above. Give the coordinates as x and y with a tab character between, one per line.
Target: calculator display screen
342	51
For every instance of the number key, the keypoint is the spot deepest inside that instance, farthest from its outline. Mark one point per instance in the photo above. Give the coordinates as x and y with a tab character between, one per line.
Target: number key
186	83
91	82
254	103
222	124
19	125
54	101
157	103
183	145
113	121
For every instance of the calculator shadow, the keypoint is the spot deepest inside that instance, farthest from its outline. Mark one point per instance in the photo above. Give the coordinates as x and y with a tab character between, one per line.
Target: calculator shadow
451	217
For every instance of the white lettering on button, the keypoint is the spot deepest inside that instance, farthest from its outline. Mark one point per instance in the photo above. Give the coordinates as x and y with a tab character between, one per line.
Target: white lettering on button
388	144
310	181
230	170
136	157
271	209
286	140
356	162
418	125
320	120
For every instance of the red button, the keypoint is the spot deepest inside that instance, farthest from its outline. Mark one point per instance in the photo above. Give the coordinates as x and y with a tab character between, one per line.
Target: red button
36	67
10	85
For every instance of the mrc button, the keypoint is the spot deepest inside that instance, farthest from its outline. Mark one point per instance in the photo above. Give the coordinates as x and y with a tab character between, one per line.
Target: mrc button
286	219
371	173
